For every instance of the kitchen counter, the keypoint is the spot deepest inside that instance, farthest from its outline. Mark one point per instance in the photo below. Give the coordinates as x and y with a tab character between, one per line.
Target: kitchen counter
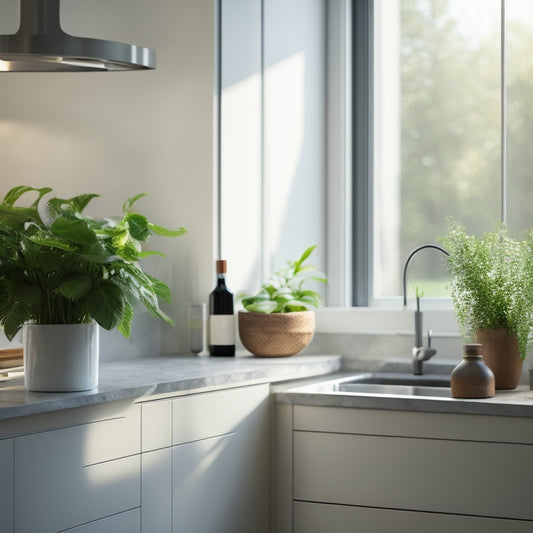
154	376
321	393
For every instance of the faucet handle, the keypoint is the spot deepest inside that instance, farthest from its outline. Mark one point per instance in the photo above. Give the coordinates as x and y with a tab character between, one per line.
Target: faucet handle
429	338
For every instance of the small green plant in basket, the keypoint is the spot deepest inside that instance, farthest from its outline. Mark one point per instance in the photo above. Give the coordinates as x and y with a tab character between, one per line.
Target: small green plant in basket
285	291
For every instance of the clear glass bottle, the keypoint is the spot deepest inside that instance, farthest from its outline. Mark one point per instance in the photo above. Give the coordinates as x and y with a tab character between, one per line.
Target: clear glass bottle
472	378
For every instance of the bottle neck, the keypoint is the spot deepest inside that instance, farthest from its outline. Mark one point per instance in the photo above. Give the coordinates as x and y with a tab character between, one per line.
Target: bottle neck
221	280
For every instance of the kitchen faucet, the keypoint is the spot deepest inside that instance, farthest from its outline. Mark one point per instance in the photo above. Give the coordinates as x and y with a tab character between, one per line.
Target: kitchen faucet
420	352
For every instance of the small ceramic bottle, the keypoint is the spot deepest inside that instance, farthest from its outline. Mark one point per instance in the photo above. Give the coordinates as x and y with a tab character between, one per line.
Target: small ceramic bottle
472	378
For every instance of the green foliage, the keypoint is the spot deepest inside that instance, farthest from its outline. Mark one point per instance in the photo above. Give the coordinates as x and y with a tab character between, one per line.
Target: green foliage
284	292
450	121
492	281
58	266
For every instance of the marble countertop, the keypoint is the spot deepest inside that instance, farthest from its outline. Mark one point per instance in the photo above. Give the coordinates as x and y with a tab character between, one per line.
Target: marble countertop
517	402
151	376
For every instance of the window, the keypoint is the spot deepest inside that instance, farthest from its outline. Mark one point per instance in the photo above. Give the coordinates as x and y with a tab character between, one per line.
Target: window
443	128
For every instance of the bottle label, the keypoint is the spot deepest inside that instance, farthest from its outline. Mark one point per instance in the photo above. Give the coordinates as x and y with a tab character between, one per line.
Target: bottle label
221	330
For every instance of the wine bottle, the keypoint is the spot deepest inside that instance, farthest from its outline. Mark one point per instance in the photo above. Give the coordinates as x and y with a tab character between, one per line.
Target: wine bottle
221	338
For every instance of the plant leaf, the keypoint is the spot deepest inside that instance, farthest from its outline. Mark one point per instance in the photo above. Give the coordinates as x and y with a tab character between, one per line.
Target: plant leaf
16	192
105	304
74	287
161	289
262	306
147	253
24	293
43	240
15	319
76	204
127	318
75	230
138	226
130	201
149	299
165	232
304	256
294	306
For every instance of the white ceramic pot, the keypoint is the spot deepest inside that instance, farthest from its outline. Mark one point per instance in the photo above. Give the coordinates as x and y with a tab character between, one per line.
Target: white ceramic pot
60	357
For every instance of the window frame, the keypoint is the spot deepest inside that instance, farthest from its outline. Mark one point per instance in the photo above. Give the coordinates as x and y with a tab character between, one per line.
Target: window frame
349	193
356	280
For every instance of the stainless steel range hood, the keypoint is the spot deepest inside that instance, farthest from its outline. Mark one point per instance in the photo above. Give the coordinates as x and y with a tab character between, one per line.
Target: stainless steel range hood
40	45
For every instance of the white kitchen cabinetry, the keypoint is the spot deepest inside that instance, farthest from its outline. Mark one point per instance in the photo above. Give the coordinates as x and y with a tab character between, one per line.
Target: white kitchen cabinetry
127	522
372	470
210	472
193	463
318	518
74	475
6	485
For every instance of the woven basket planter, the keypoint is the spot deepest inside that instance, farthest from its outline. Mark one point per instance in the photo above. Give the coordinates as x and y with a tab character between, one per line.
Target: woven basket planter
276	334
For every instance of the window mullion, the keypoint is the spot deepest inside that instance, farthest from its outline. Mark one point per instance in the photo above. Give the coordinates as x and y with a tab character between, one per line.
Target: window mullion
363	148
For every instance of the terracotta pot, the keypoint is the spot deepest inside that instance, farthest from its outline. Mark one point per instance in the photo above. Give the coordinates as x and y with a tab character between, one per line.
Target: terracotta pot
501	355
276	334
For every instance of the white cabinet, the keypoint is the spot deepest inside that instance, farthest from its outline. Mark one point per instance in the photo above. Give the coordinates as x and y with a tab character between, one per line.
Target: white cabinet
193	463
156	511
128	522
318	518
220	462
6	485
209	473
372	470
75	475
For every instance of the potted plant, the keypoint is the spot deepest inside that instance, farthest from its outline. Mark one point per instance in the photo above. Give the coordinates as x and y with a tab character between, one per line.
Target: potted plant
278	320
492	293
63	274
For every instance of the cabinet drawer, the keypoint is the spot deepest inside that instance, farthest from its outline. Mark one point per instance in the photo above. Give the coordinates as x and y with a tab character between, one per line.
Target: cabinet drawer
318	518
471	478
212	414
156	425
71	476
128	522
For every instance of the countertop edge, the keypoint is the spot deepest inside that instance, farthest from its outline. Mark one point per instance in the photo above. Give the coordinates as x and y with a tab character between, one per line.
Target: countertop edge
143	378
515	403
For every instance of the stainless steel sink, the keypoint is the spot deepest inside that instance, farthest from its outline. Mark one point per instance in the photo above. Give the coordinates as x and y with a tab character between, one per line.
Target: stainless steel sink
386	378
402	390
396	384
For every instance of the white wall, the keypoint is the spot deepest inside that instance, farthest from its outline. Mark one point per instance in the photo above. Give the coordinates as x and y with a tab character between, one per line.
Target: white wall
122	133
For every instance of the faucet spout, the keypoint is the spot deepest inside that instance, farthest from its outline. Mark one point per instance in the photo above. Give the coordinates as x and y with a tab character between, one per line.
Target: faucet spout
420	352
411	255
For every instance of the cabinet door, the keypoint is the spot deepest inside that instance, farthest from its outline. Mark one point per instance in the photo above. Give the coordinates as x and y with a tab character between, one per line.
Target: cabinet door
128	522
71	476
6	485
319	518
220	476
156	491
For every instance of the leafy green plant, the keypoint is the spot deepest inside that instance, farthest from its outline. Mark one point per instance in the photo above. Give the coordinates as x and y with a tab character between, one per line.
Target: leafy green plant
492	282
58	266
284	291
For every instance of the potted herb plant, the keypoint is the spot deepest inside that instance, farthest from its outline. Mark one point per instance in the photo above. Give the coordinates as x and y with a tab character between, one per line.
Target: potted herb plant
63	274
492	293
278	320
